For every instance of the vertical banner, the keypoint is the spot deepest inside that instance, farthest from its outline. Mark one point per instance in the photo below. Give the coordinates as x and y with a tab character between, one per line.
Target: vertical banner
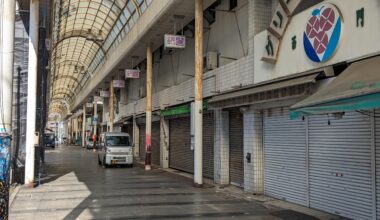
5	145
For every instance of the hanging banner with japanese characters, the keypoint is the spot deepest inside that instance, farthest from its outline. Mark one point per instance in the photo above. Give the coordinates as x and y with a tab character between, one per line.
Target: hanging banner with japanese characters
118	83
175	41
132	73
104	94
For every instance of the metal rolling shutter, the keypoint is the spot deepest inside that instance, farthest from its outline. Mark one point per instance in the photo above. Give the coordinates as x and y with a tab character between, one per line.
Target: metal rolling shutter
156	143
236	143
142	141
284	156
208	144
180	154
340	165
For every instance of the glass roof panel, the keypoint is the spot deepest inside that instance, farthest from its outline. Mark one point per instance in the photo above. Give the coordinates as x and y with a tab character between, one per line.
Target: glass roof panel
84	30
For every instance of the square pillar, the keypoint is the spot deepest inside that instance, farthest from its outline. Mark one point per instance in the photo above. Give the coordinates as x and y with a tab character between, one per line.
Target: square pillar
164	143
253	148
221	147
136	138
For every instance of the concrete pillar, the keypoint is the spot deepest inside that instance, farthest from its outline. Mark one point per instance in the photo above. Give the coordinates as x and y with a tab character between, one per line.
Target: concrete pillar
136	138
32	91
84	126
148	124
95	116
7	20
164	142
221	148
111	106
198	105
6	73
253	145
76	128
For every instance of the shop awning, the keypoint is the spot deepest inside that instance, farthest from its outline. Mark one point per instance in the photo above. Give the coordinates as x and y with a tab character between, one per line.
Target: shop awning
122	120
357	88
256	93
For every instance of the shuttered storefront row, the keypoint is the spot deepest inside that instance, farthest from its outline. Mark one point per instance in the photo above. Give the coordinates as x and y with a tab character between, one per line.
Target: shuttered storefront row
236	143
284	156
340	165
142	141
181	157
156	143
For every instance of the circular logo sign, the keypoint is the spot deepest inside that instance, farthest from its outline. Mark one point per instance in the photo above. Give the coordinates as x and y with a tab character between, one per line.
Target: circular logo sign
323	31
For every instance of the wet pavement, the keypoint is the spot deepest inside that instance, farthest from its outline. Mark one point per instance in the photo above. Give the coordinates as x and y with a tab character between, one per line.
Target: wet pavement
75	187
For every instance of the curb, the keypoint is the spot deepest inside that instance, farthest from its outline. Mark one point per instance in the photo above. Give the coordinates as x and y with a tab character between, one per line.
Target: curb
13	193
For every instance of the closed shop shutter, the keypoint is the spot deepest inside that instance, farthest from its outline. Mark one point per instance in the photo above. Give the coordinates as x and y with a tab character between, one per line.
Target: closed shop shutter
180	153
142	141
236	143
340	165
156	143
284	156
208	144
128	129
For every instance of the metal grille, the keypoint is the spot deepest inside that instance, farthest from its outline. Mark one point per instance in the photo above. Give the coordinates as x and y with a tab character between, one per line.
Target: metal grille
340	165
180	154
208	144
156	143
284	156
142	141
236	143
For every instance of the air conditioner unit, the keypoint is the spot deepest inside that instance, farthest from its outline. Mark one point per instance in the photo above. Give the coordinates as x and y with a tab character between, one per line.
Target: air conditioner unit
210	61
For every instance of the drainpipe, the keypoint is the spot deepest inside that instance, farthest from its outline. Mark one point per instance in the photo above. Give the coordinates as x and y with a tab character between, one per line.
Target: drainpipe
32	92
198	180
6	83
148	124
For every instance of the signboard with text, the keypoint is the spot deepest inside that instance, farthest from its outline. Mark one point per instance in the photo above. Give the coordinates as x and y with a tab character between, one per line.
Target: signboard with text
118	83
175	41
132	73
104	94
98	99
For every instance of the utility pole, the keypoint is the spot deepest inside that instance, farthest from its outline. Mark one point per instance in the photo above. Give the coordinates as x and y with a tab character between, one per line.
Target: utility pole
84	126
148	124
32	92
111	105
198	105
7	32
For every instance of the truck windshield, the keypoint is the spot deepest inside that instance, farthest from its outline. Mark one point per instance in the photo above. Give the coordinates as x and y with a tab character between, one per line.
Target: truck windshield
117	141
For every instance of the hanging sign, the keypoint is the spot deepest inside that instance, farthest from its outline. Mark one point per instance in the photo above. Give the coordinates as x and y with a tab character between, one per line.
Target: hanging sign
118	83
175	41
104	94
98	99
132	73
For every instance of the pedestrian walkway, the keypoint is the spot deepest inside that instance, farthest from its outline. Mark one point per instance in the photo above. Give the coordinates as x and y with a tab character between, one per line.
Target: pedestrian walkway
75	187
